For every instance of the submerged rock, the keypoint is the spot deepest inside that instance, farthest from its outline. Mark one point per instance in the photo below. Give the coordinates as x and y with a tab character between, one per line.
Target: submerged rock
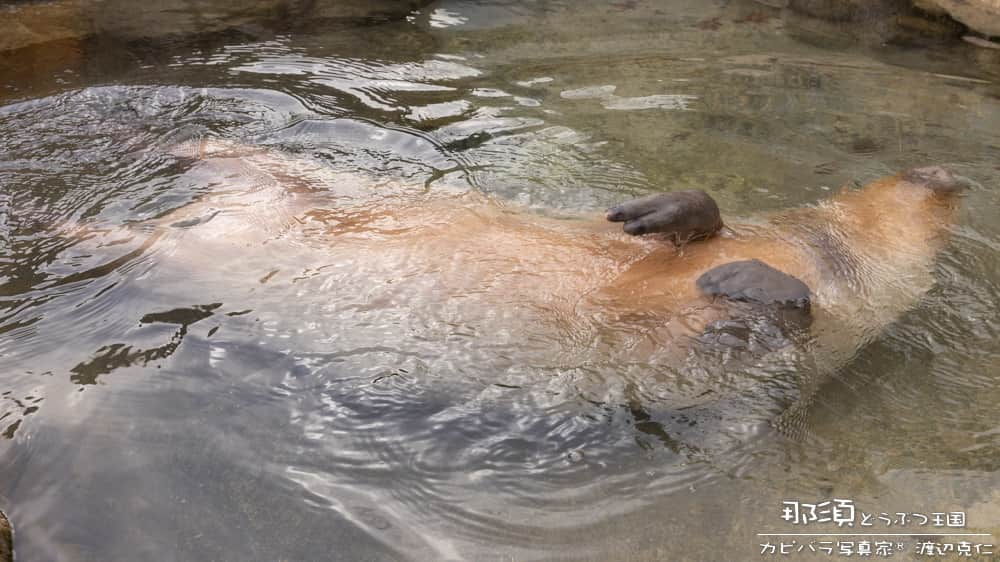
39	23
6	540
157	18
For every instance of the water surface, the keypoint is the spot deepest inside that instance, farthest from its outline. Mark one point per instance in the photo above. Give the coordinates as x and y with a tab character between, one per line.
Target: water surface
266	407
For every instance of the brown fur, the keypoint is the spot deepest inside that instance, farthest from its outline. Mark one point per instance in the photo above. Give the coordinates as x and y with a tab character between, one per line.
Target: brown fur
866	254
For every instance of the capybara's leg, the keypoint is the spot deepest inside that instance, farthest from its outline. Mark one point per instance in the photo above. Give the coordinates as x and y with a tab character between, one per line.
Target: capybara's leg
754	281
681	215
764	307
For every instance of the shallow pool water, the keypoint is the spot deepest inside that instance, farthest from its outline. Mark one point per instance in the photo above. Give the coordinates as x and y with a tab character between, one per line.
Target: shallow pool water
300	401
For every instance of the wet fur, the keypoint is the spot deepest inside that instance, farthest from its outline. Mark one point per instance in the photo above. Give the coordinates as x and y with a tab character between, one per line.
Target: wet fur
865	255
863	252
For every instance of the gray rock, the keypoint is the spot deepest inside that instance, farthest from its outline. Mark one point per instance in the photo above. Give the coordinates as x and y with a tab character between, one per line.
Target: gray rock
980	15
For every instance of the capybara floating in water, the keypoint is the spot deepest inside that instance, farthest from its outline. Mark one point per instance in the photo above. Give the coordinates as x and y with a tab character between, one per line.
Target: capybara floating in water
677	288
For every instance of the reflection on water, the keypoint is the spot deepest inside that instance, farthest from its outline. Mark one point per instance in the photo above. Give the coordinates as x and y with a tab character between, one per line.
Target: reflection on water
307	401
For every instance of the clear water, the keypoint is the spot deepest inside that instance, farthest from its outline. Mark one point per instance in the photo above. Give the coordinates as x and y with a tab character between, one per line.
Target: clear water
174	404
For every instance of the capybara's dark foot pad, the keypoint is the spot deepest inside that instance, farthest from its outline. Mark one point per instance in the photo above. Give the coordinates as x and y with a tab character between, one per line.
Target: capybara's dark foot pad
765	307
681	215
753	281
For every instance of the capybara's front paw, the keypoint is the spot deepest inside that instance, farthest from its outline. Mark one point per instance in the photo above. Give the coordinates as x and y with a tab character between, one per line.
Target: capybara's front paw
682	215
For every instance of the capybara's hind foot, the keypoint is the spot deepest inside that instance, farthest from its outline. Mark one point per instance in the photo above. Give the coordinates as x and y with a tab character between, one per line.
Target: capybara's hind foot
765	306
754	281
681	215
